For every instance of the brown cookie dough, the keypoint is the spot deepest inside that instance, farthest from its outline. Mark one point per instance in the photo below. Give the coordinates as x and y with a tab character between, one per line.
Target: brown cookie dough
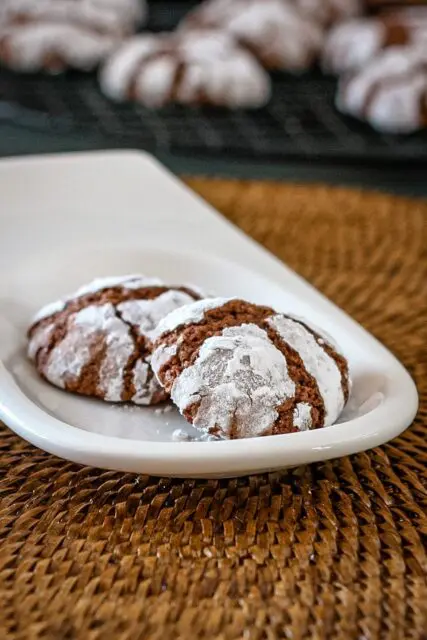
97	342
237	370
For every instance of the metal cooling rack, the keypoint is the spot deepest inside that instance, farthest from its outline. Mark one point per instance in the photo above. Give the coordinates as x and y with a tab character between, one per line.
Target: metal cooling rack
299	122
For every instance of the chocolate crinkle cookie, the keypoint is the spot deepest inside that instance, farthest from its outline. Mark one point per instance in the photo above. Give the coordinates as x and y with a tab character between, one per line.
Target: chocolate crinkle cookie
197	68
282	34
53	35
275	32
352	44
98	341
390	91
237	370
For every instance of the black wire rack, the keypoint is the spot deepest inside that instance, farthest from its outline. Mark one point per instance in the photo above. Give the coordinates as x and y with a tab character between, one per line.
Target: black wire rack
299	122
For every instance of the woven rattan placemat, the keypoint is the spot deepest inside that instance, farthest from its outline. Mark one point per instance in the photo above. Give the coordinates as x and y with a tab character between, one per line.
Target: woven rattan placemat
334	551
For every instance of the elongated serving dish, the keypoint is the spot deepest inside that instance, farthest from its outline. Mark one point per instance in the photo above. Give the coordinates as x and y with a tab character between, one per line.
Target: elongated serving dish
67	219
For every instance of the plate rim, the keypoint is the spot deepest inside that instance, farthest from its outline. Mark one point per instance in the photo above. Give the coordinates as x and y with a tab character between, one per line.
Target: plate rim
60	438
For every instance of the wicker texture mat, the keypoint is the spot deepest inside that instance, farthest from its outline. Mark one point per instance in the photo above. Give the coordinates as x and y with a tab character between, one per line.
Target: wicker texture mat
334	551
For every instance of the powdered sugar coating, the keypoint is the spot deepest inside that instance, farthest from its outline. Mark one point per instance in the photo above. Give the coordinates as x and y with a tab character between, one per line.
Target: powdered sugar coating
97	331
190	314
180	435
53	34
145	384
112	16
136	281
162	355
28	46
276	31
145	315
399	107
49	309
206	67
389	92
352	44
98	284
67	359
239	379
302	416
119	348
317	362
39	339
122	67
102	336
269	374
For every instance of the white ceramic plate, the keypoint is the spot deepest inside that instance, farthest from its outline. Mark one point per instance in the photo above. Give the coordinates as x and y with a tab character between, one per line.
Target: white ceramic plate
67	219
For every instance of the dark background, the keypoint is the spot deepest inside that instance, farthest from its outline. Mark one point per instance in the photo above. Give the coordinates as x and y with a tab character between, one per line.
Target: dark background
299	137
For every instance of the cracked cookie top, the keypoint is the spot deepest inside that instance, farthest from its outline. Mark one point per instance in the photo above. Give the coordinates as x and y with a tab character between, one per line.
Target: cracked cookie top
98	341
238	370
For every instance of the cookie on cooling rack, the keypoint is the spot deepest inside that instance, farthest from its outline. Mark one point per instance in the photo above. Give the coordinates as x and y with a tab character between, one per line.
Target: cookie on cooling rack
197	68
97	342
53	35
352	44
238	370
390	91
276	32
328	12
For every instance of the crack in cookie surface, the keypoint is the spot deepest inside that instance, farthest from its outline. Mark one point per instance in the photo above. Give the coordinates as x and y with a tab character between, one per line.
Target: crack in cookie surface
236	369
98	343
